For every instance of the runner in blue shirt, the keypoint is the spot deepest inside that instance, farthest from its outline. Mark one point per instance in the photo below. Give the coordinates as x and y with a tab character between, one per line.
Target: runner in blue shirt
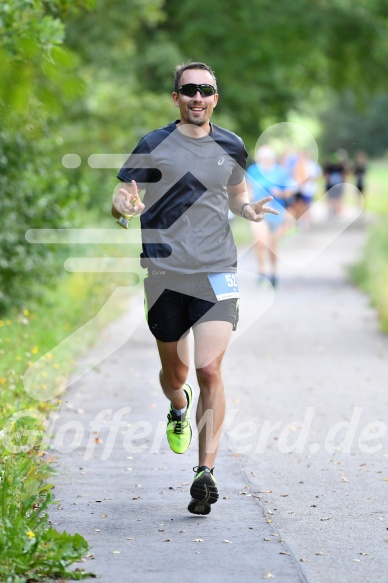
267	177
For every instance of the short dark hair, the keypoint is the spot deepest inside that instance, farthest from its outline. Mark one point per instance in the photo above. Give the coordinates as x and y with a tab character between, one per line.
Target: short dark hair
180	69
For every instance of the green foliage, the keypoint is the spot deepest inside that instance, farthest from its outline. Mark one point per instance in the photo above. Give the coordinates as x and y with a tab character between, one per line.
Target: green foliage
372	274
29	547
108	37
35	194
35	69
270	56
348	124
117	108
36	83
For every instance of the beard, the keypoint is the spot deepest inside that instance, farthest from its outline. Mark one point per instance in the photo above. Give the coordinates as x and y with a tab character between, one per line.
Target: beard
197	120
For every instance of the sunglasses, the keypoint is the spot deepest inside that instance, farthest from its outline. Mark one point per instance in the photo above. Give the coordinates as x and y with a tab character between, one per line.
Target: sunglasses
190	89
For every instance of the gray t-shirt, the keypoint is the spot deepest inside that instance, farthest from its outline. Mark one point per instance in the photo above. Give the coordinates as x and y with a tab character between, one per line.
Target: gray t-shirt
185	224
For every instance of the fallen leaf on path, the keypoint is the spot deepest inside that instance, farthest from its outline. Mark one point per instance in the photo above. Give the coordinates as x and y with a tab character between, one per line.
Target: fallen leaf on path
268	575
116	552
198	540
284	553
326	518
227	541
130	538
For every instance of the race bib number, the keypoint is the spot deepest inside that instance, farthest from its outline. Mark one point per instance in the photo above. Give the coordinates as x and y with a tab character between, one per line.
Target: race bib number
224	285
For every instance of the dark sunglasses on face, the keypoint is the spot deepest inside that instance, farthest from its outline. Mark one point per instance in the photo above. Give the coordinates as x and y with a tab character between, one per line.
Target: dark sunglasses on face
190	89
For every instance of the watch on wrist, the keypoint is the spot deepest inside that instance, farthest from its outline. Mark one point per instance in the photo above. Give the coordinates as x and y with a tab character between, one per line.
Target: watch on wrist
242	209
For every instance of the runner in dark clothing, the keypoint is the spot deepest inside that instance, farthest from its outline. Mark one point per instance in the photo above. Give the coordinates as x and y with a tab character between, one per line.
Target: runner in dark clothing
335	173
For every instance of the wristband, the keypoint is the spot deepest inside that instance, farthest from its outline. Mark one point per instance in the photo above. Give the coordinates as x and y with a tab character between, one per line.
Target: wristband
242	209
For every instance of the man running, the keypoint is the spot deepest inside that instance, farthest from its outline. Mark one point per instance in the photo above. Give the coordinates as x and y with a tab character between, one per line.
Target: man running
192	172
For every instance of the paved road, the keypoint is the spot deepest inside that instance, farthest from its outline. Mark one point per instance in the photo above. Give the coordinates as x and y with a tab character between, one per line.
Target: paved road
303	463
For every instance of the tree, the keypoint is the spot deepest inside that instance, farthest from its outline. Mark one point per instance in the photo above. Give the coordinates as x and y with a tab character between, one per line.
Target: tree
347	125
36	83
271	56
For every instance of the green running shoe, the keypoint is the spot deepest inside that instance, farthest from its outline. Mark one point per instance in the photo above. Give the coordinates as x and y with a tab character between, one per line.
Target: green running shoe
203	490
179	429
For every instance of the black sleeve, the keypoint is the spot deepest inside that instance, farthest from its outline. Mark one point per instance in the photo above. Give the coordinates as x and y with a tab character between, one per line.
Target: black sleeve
139	166
238	172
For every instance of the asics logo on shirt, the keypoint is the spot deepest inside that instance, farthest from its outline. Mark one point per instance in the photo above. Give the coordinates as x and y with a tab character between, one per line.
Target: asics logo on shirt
221	161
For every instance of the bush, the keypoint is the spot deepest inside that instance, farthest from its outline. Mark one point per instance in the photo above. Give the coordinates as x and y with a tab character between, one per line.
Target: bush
34	194
371	273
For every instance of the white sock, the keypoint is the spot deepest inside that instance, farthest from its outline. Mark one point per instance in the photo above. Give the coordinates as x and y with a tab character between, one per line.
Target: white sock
179	411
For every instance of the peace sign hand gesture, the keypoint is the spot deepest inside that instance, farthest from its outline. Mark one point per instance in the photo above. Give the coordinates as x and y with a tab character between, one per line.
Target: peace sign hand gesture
255	211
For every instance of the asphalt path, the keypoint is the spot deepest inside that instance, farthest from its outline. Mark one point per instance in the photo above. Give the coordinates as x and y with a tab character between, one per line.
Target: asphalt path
302	467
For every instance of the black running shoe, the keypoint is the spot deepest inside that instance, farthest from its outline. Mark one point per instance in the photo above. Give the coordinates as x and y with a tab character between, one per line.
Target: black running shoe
203	490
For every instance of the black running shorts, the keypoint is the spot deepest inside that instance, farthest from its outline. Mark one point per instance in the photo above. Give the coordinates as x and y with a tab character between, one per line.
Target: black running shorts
174	303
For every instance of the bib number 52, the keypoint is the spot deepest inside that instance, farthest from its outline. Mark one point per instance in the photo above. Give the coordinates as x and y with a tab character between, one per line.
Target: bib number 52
231	279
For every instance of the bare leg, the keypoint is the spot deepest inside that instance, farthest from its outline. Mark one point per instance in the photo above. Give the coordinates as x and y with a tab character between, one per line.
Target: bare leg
211	340
274	237
260	233
174	372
